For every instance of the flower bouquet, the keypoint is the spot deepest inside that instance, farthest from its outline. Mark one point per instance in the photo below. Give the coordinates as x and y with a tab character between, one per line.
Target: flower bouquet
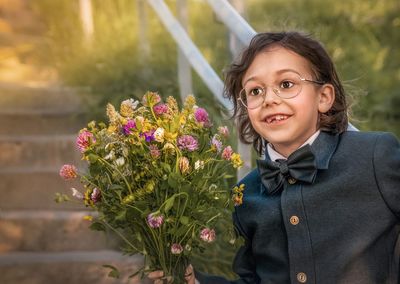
157	178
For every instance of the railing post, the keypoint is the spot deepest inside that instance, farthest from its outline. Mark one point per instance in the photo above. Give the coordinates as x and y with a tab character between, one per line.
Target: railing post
184	70
142	30
86	15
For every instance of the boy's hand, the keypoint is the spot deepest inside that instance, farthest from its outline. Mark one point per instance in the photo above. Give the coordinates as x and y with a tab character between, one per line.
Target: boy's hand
158	276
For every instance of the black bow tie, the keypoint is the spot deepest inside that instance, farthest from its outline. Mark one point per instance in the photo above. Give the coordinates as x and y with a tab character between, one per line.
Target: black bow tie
300	165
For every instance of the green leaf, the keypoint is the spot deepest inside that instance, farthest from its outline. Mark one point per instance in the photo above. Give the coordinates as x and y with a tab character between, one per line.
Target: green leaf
121	215
114	273
173	180
97	226
116	186
166	167
184	220
169	203
93	158
181	231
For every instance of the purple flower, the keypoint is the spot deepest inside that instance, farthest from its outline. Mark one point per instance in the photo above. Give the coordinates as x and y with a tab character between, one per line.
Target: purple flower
127	128
149	135
207	235
188	142
84	139
201	116
155	221
216	144
96	195
160	109
176	248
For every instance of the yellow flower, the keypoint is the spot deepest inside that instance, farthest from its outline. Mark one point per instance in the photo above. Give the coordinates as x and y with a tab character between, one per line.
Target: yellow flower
87	200
149	186
184	165
112	114
112	128
182	119
169	136
169	148
88	218
172	105
128	199
237	195
190	101
236	160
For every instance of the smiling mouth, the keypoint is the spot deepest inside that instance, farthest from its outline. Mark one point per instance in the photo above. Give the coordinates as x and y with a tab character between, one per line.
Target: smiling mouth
276	118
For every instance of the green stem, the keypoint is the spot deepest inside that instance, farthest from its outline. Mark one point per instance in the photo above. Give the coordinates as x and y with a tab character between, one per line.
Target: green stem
120	235
118	171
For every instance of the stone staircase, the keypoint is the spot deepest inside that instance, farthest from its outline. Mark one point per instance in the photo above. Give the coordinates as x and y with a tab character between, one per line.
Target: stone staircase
42	241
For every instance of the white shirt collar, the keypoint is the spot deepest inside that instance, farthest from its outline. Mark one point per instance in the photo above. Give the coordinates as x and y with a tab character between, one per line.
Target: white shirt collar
274	155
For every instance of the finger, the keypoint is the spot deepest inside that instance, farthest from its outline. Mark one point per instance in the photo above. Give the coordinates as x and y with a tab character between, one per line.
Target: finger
189	275
155	275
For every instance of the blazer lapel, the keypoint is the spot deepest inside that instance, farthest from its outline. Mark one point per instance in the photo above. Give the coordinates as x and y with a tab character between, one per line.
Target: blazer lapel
323	148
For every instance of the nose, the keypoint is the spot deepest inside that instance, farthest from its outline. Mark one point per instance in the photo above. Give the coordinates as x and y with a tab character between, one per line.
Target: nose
271	96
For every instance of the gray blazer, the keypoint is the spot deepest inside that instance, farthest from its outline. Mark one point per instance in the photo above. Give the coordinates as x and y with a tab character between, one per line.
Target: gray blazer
343	228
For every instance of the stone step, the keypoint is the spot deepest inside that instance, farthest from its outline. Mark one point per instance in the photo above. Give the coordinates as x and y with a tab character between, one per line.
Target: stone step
50	231
30	190
77	267
40	122
19	96
38	151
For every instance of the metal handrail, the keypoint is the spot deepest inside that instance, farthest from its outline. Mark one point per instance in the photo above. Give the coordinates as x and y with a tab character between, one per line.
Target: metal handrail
233	20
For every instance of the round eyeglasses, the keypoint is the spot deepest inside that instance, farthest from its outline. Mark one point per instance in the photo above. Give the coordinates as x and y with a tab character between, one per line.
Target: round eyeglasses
253	95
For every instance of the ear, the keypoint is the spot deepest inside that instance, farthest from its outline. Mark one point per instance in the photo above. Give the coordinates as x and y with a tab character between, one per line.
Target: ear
326	98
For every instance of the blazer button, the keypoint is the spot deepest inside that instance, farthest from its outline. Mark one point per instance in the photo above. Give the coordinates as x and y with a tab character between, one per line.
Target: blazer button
301	277
294	220
292	180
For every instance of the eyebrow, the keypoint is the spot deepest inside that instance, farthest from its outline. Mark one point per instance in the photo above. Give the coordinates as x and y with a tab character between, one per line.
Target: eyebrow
253	78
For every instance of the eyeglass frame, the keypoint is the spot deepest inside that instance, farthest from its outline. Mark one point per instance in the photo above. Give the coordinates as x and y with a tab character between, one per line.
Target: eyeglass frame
274	90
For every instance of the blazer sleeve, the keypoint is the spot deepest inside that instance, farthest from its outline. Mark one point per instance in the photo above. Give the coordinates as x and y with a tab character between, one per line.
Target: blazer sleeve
387	170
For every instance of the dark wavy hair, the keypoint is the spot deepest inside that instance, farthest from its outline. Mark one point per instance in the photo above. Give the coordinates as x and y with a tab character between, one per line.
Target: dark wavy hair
323	69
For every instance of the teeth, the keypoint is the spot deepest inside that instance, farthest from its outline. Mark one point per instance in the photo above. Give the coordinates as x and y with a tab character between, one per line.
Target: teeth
278	117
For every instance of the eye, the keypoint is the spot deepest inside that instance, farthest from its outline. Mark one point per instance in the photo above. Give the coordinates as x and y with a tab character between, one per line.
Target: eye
286	84
255	92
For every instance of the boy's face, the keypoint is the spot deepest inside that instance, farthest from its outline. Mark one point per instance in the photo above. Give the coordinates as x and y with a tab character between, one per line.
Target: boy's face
285	123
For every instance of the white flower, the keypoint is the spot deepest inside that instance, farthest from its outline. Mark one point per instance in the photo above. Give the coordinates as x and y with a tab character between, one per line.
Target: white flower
131	103
159	134
199	165
120	161
110	156
76	193
125	151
